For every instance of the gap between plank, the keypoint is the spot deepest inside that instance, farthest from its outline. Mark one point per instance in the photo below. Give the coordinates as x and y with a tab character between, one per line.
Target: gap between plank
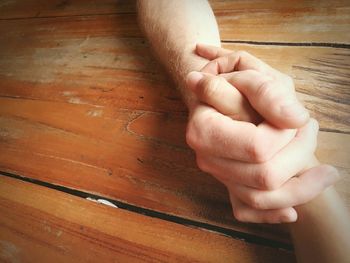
298	44
65	16
250	238
292	44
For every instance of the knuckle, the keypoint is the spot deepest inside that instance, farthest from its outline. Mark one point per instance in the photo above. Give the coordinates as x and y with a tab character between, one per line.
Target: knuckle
211	87
255	201
239	214
242	53
266	177
257	149
192	136
286	216
200	130
202	164
265	88
209	125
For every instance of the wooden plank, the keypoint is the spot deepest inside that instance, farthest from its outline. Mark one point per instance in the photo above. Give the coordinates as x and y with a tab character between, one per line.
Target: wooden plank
284	21
20	9
93	111
267	21
138	158
38	224
135	157
92	61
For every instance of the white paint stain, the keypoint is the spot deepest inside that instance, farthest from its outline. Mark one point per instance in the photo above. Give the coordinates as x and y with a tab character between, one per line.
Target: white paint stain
102	201
67	93
75	101
94	113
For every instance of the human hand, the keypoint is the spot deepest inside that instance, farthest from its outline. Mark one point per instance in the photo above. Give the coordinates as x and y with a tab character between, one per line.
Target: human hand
242	155
258	87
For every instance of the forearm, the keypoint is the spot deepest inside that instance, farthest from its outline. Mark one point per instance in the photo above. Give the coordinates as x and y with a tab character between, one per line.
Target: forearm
322	232
173	29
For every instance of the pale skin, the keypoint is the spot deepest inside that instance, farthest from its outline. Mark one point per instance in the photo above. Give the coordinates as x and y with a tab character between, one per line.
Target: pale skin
264	159
322	232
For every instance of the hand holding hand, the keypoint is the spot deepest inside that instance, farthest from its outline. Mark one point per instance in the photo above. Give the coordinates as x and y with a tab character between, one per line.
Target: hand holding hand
257	163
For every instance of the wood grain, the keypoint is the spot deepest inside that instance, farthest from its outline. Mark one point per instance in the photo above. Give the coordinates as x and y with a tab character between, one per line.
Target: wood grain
84	105
10	9
44	225
284	21
128	156
263	21
134	157
98	61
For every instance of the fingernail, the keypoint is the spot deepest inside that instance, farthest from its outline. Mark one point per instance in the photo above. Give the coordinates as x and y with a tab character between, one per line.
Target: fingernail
193	78
294	109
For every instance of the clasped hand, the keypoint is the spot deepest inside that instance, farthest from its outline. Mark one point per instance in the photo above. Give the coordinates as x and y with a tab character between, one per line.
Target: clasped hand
250	132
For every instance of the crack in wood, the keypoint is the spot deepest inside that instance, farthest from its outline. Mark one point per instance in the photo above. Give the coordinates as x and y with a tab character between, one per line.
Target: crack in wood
250	238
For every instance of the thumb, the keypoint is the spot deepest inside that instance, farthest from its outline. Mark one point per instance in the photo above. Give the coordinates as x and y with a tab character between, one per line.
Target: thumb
217	92
272	98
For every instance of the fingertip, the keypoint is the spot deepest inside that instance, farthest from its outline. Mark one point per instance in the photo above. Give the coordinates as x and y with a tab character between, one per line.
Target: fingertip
193	79
289	216
302	119
293	109
295	115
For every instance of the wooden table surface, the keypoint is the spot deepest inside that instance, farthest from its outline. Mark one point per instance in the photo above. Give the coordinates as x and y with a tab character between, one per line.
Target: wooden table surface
87	113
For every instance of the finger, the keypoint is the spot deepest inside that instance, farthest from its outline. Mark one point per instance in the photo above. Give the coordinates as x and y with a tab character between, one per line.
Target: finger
248	214
237	61
211	132
270	175
273	98
296	191
221	95
211	52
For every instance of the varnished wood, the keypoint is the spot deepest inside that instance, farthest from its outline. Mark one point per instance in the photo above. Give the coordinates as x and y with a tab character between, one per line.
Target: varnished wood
83	104
284	21
98	61
128	160
53	8
240	20
136	158
87	107
38	224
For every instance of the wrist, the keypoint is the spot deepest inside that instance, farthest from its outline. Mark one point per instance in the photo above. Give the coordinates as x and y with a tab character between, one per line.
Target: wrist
187	62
